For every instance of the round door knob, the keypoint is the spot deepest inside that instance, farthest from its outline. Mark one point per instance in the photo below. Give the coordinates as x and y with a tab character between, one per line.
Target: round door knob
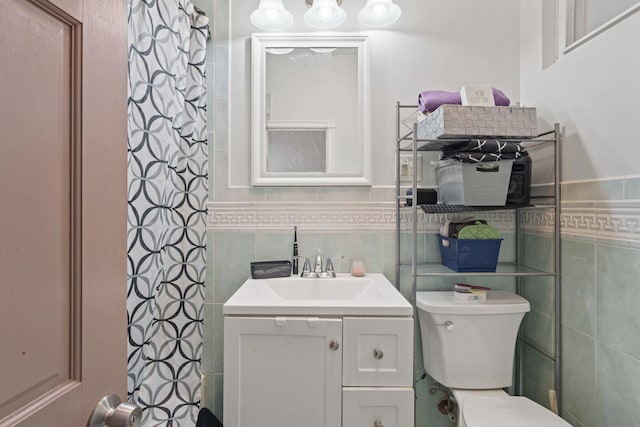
378	423
378	354
333	345
110	412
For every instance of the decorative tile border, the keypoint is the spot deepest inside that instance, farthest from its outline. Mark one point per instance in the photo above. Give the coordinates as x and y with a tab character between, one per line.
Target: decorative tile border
620	221
320	216
364	216
617	222
541	221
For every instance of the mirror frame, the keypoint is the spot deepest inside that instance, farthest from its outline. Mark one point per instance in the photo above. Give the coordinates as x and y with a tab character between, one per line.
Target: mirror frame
259	44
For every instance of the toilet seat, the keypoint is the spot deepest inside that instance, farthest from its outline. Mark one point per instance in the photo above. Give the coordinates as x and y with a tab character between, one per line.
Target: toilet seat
507	411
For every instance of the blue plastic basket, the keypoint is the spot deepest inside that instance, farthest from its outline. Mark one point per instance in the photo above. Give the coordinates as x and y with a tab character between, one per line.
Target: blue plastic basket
475	255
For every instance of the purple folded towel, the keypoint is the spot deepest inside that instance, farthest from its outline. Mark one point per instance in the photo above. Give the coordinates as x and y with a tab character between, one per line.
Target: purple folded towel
432	99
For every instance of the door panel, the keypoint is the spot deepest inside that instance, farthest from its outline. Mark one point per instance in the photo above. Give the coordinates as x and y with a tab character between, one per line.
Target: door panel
54	294
36	192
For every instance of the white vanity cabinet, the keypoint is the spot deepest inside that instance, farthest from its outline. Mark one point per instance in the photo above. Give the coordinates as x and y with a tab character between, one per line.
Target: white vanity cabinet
304	352
282	372
318	372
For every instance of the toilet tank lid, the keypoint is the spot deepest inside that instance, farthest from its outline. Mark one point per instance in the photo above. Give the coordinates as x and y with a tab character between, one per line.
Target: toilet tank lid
497	302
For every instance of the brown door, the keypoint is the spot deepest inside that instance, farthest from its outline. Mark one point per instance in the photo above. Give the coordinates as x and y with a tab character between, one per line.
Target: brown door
62	209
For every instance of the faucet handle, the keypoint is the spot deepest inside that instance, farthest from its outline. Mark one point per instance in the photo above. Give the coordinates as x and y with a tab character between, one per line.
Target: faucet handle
306	267
329	268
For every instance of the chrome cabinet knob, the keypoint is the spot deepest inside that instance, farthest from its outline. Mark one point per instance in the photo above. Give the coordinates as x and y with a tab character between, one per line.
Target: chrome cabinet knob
333	345
377	353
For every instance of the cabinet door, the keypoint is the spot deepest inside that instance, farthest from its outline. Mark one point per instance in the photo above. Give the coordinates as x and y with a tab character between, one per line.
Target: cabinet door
378	352
282	372
377	407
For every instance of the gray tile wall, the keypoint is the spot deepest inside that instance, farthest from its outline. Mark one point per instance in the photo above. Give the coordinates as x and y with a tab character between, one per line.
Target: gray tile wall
600	341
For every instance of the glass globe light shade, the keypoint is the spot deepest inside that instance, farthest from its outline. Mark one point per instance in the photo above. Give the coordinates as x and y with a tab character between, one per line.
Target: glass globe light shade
379	13
271	16
325	14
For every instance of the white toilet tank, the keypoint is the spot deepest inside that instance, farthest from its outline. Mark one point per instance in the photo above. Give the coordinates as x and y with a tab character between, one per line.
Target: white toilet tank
470	344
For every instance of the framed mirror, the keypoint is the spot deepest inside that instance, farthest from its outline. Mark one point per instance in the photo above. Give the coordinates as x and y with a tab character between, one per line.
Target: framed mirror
310	114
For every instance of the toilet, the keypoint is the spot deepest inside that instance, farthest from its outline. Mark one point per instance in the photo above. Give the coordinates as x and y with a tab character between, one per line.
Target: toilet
468	346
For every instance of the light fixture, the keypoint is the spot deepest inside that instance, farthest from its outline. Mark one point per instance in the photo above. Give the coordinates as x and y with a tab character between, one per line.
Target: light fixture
324	14
379	13
271	16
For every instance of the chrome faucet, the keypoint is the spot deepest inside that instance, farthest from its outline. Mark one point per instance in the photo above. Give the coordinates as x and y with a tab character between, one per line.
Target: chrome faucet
318	272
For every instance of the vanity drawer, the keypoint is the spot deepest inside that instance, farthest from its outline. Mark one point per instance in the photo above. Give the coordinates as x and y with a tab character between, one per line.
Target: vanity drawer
377	407
377	351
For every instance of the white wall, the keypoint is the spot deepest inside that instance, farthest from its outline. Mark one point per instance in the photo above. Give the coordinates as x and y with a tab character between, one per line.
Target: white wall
436	44
593	92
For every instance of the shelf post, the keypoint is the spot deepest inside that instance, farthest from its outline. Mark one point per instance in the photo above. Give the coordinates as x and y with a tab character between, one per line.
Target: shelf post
414	216
398	222
557	380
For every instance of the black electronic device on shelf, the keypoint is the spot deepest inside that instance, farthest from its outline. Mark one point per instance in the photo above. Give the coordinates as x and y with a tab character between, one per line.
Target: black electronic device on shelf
519	191
426	196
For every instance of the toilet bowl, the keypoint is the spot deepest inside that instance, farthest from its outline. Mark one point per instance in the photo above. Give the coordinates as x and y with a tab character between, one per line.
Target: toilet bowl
468	346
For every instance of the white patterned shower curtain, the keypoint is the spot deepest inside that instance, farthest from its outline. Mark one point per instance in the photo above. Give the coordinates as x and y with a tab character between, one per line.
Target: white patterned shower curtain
167	194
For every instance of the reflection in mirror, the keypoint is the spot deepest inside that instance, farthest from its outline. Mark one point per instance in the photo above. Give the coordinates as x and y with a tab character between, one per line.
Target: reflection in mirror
310	110
296	150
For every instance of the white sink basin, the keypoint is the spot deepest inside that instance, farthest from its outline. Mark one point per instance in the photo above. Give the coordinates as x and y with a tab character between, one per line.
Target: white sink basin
320	289
370	295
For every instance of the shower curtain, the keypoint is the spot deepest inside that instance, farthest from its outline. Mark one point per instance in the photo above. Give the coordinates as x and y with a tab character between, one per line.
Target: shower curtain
167	195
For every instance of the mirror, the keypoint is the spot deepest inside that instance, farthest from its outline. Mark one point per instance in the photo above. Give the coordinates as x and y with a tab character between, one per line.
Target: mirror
310	110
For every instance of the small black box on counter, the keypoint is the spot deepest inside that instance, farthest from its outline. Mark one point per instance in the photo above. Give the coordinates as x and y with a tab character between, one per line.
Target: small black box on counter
426	196
270	269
